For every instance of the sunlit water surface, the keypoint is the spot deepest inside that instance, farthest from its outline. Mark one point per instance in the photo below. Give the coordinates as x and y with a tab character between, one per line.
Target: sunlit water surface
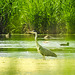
21	49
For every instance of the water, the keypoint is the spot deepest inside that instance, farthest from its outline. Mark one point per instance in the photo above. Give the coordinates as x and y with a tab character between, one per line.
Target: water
19	56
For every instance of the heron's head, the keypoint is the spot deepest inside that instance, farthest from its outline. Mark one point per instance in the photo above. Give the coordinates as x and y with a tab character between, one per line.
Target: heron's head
32	32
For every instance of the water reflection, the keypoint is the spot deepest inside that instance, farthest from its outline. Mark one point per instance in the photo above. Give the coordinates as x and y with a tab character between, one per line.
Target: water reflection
35	55
31	44
27	41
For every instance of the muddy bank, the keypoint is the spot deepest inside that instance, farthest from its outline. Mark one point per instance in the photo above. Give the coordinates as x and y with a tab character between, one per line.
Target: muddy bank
29	66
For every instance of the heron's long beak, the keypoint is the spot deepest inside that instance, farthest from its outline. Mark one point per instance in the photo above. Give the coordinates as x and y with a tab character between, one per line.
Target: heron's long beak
31	32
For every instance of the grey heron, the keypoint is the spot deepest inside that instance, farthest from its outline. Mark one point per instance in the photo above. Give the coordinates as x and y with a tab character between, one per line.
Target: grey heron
44	52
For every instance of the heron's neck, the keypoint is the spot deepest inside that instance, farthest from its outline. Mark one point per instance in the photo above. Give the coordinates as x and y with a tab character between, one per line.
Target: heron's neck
36	39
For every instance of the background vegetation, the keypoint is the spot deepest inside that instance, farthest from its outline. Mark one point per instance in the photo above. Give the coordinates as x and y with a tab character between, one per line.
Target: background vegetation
44	16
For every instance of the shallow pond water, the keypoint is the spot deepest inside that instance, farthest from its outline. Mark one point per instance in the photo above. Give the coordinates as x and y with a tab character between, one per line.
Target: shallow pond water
19	56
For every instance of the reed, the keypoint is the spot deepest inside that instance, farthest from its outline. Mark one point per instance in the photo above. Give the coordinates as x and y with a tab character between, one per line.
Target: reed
45	16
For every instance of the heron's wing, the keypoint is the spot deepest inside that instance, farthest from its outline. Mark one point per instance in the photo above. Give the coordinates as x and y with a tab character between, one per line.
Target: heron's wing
46	52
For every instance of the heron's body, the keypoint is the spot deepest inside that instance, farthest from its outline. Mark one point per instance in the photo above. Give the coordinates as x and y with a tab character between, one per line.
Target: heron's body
46	52
43	51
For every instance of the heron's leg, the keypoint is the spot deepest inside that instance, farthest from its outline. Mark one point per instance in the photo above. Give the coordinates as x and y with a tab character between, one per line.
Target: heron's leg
44	58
